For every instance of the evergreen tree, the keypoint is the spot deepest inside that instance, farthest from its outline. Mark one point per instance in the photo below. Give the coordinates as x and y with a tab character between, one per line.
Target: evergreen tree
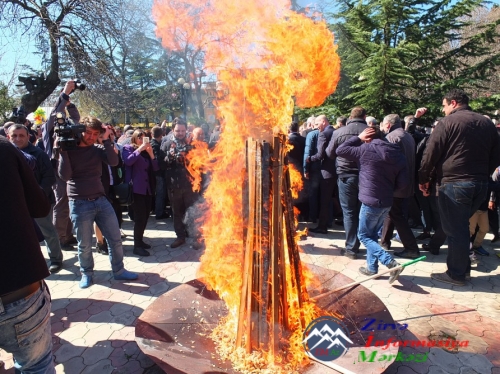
398	55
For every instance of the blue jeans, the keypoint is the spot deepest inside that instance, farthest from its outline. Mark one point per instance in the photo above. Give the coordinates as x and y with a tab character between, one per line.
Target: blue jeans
51	238
161	190
25	332
348	196
370	220
457	203
83	214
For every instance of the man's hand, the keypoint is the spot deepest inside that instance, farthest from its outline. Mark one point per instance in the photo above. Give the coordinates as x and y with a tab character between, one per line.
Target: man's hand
420	112
367	135
491	205
306	175
308	159
424	188
69	87
107	131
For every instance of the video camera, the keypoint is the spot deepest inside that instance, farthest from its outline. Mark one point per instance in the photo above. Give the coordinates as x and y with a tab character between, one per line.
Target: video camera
18	115
68	133
79	85
178	152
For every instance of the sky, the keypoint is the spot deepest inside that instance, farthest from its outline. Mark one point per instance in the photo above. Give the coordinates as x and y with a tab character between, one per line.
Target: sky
17	50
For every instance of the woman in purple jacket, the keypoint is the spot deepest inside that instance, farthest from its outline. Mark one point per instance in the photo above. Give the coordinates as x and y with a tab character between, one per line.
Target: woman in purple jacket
140	164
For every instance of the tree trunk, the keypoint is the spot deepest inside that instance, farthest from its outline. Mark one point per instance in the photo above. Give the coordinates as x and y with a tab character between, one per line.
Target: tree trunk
32	100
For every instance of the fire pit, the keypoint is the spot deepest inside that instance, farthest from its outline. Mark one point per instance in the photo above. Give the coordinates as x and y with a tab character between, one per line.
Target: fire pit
175	330
268	294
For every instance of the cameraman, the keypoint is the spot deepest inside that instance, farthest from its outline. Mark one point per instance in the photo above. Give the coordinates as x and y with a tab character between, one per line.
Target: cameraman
61	220
179	186
81	169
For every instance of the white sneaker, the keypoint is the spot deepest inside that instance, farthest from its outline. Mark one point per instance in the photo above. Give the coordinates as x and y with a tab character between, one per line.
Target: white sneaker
473	259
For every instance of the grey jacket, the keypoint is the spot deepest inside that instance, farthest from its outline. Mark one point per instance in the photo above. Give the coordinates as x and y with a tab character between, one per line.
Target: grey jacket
345	167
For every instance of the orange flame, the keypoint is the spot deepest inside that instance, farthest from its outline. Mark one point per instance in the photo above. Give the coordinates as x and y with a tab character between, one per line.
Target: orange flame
266	55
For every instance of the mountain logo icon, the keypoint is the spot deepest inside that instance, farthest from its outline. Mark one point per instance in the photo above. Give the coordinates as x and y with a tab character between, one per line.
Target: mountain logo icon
326	338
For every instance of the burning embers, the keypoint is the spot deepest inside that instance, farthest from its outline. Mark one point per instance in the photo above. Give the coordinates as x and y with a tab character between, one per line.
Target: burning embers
274	309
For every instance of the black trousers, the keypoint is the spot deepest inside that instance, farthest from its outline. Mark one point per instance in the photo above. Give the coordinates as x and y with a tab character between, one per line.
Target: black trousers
439	236
493	219
326	190
117	207
398	218
141	207
180	200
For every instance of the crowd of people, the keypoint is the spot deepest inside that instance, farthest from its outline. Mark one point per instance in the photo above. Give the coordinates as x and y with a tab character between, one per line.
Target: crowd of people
353	178
69	182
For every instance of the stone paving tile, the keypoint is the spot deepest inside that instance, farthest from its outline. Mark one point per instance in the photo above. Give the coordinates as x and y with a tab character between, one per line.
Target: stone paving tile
93	329
68	351
75	365
101	367
97	352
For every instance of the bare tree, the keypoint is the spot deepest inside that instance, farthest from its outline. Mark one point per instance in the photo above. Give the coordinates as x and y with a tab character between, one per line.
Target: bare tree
57	24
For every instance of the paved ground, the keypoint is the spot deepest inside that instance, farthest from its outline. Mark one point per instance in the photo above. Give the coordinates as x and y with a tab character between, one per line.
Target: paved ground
93	329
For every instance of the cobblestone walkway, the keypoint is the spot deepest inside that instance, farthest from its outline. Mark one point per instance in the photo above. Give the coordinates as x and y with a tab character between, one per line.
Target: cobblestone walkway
93	329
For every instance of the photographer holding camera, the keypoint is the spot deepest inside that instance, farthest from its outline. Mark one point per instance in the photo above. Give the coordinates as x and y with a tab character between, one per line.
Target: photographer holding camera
60	218
81	168
179	186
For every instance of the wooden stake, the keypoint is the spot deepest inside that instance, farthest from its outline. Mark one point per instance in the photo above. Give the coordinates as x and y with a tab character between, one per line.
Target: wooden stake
245	312
265	245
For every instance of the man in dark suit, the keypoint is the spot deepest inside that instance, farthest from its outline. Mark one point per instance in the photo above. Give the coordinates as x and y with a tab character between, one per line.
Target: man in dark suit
296	158
328	176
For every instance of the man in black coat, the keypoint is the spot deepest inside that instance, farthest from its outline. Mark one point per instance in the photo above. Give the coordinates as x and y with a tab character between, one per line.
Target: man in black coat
296	158
24	296
328	176
464	150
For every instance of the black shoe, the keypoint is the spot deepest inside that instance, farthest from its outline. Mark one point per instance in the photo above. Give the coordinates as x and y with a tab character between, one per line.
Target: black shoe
102	248
407	254
339	222
144	245
319	230
178	242
348	254
197	245
163	216
66	246
445	278
423	236
427	247
495	238
394	275
139	251
54	268
72	240
365	271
